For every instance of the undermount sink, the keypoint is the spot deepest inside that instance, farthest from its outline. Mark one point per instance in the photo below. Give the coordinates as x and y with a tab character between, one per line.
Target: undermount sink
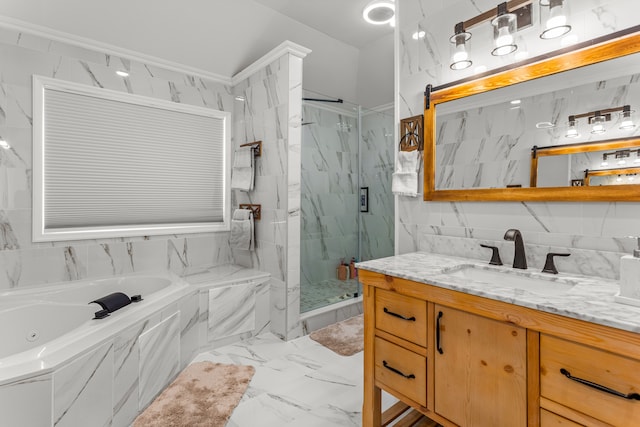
510	278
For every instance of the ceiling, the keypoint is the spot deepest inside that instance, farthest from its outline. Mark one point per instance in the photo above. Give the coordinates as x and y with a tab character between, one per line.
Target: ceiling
339	19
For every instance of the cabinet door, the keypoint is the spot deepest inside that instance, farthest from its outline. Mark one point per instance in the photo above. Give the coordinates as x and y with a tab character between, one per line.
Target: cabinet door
480	370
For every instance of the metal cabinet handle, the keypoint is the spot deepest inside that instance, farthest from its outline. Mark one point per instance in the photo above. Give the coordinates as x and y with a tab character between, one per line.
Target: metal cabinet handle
392	369
630	396
400	316
438	347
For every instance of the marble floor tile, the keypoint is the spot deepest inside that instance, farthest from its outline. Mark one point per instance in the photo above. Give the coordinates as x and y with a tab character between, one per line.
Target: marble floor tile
297	383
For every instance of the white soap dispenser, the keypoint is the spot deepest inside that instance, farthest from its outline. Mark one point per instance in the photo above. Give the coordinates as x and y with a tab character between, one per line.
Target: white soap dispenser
630	278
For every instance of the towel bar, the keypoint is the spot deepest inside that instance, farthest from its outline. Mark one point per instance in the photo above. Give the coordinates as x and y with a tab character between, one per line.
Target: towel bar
256	146
254	208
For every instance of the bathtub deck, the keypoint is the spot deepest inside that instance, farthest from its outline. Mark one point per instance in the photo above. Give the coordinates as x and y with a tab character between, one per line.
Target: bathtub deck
297	383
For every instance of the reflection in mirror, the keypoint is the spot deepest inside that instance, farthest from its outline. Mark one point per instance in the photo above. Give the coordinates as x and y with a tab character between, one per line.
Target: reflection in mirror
485	140
590	164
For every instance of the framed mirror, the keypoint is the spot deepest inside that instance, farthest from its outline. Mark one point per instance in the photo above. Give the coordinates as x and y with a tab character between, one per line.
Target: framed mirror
540	131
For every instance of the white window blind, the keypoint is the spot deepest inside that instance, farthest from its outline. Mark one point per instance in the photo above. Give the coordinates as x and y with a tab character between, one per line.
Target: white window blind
109	164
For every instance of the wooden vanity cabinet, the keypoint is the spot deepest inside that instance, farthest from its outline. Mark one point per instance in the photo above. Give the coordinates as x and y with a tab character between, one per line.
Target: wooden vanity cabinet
464	360
480	370
456	367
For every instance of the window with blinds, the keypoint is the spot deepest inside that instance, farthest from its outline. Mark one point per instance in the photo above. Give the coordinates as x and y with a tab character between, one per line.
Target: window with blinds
112	164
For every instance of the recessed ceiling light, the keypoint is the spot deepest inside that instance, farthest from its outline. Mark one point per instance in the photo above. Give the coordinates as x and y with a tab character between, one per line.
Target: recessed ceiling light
4	144
516	102
122	73
379	12
545	125
419	35
239	98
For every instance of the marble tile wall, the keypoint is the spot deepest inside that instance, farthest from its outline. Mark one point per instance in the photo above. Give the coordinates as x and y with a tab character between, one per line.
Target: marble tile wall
490	146
593	232
23	263
377	165
268	109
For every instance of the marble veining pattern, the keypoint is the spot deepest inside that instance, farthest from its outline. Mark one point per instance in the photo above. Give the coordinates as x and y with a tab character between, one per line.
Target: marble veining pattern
591	299
159	358
25	263
231	310
297	383
592	231
83	389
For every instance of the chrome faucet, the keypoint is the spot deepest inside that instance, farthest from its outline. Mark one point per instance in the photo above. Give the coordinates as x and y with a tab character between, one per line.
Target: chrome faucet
519	258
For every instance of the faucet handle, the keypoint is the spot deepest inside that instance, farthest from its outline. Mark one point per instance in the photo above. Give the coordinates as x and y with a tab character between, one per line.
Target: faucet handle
495	255
549	265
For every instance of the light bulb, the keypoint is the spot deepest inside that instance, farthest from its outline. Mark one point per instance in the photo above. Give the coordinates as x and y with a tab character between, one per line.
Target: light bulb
619	178
504	25
460	54
597	124
572	132
604	163
627	122
556	24
504	37
622	162
557	18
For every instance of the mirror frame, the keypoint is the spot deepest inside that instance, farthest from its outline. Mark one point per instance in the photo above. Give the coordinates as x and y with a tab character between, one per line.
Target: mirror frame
614	46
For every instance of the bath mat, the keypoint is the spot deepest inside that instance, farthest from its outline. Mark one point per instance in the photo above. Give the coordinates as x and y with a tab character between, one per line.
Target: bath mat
204	394
345	338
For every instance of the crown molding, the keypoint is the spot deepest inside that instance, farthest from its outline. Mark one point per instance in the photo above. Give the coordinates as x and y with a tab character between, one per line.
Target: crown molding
280	50
71	39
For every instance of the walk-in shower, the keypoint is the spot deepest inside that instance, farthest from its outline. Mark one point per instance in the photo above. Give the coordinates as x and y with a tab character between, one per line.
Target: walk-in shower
347	152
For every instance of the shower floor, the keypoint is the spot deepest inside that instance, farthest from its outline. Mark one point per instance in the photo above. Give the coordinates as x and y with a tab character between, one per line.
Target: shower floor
316	295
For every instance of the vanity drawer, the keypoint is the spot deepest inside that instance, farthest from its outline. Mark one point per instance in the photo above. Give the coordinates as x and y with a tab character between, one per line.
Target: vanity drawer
549	419
599	367
402	316
401	370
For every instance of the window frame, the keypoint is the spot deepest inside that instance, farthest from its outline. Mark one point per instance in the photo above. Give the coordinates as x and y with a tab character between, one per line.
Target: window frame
40	233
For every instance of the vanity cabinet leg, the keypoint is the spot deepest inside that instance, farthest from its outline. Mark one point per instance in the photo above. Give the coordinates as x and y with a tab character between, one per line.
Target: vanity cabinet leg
372	405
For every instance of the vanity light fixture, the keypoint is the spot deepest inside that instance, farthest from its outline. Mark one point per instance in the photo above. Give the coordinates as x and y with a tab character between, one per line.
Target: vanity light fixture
597	120
379	12
622	156
555	24
4	144
504	28
597	123
507	18
627	121
572	132
460	57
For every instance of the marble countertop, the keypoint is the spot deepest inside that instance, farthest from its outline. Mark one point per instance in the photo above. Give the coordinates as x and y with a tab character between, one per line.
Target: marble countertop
590	299
222	275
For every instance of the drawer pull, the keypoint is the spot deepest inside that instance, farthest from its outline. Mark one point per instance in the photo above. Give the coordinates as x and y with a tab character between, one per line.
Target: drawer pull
400	316
630	396
392	369
438	347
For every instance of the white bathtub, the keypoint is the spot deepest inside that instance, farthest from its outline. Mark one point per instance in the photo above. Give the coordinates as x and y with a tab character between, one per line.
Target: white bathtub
42	328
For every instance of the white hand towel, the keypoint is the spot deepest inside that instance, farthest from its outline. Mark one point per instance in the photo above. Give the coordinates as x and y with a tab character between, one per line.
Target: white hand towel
242	231
404	182
242	173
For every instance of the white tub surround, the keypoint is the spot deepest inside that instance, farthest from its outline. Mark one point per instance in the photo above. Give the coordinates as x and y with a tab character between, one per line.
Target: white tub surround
74	368
590	299
234	303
